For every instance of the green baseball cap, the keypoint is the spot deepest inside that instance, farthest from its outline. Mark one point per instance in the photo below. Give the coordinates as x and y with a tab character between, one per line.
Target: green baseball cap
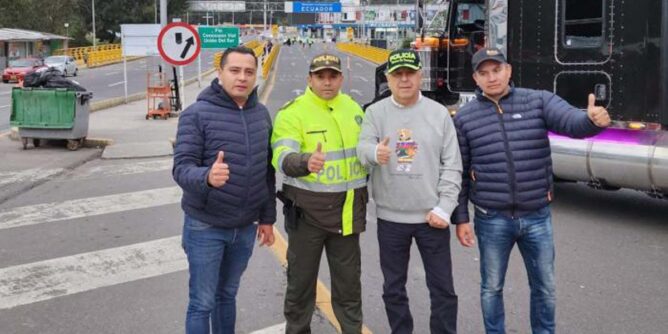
325	61
403	58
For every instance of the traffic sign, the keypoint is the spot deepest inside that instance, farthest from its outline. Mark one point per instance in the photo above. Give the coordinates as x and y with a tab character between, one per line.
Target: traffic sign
312	7
179	43
219	37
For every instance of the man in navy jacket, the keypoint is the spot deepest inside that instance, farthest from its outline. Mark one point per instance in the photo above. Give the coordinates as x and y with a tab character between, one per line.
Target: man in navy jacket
508	177
222	161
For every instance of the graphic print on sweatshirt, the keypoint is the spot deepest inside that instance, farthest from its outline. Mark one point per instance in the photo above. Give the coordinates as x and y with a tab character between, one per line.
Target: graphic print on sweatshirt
406	149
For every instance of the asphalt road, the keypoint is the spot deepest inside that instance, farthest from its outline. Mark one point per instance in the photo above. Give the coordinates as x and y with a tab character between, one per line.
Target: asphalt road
108	81
612	248
97	250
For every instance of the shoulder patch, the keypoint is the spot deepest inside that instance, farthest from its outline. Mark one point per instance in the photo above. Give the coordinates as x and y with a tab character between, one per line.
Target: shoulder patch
287	104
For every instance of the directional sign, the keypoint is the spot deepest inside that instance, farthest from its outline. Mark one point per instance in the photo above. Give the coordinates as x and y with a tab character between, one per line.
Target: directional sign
179	43
312	7
219	37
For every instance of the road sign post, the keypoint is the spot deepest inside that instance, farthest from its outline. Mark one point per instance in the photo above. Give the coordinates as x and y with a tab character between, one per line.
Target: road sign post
179	44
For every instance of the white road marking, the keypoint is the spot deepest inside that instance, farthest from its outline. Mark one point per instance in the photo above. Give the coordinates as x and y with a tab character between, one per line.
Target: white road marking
122	169
116	84
5	106
112	73
44	280
298	92
362	78
355	91
87	207
358	64
275	329
32	174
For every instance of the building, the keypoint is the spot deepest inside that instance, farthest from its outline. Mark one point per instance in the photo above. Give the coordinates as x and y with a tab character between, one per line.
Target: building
19	43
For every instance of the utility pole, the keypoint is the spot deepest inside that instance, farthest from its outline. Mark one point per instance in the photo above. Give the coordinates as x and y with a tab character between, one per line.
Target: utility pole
265	18
94	39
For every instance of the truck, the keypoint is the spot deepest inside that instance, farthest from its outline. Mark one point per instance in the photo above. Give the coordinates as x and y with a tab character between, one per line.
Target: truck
615	49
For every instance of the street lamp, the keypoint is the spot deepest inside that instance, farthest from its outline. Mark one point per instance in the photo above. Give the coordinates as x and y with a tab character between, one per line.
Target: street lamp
94	39
67	29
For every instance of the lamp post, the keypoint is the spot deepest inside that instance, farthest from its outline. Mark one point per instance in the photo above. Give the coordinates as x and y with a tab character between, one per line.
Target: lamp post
94	39
67	33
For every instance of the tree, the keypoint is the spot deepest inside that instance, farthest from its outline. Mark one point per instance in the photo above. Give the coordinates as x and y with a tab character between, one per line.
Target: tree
110	14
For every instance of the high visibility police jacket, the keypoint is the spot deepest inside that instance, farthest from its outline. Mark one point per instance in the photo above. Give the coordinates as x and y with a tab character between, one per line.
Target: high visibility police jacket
335	198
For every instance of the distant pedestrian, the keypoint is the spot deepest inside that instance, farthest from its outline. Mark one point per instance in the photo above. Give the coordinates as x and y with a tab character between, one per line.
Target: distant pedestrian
222	161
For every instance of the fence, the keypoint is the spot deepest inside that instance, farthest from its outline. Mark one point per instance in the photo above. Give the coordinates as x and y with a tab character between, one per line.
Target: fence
370	53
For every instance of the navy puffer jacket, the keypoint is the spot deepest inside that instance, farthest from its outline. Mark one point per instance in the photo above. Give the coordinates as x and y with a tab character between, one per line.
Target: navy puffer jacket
216	123
506	152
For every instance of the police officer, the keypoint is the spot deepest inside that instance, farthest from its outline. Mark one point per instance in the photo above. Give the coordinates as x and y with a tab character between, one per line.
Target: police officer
324	192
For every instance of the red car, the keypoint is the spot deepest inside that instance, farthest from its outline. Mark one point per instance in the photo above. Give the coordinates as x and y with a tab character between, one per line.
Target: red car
18	68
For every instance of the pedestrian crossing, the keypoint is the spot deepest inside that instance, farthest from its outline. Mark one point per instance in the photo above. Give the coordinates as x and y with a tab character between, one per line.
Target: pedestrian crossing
44	280
88	207
49	279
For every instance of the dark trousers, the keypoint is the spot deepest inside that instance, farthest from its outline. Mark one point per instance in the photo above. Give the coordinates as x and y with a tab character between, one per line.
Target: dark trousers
305	245
395	241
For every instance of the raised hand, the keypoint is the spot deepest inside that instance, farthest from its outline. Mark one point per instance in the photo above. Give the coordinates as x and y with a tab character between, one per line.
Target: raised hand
598	115
219	173
317	160
383	151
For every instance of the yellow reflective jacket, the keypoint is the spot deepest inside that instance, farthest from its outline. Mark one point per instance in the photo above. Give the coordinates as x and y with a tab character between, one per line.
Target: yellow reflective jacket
308	120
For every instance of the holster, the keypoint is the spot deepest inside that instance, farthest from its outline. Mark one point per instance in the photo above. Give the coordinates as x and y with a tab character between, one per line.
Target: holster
291	212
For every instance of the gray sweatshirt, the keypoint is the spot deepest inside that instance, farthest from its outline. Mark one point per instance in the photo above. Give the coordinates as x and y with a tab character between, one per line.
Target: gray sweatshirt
425	168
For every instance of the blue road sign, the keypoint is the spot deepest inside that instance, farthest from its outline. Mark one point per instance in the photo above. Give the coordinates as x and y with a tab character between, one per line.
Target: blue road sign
316	7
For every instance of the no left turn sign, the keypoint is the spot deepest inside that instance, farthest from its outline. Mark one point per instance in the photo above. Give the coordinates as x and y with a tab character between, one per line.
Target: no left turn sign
179	43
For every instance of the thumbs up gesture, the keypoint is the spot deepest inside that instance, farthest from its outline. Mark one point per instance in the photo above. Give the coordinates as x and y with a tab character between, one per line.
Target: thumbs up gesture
383	151
317	160
598	115
219	172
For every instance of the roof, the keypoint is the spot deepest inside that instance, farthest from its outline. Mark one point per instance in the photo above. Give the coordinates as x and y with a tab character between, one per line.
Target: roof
8	34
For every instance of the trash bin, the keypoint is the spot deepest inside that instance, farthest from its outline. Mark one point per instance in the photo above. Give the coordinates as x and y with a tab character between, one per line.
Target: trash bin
50	113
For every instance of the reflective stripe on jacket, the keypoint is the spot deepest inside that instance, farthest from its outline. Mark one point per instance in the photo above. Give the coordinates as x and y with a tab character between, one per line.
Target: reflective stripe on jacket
308	120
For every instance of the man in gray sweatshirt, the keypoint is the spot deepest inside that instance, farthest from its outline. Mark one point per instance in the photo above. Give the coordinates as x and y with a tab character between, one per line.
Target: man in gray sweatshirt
409	145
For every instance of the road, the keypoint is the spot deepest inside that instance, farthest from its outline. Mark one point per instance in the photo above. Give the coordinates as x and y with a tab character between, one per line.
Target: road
108	81
97	250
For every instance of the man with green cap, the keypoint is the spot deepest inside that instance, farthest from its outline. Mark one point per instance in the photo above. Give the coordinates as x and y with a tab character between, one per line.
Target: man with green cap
324	195
409	146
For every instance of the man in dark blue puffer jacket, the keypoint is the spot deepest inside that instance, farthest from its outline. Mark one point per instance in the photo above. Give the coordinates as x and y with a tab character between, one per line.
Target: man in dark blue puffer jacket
222	161
508	176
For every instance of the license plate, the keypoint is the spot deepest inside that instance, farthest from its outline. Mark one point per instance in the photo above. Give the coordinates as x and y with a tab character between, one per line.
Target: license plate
12	78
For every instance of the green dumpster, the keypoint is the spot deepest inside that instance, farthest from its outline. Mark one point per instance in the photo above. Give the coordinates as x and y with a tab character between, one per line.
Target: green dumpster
50	113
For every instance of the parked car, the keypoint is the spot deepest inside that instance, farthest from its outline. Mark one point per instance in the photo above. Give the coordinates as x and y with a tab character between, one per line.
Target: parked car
18	68
65	64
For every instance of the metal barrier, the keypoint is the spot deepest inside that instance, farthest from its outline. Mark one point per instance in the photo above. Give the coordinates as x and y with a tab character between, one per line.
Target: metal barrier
371	53
98	58
269	61
255	45
81	54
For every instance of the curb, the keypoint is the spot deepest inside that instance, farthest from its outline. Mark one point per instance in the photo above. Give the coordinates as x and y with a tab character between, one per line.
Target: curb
116	101
30	185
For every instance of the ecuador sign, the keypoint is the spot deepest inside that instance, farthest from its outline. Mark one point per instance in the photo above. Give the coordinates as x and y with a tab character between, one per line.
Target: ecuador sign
312	7
219	37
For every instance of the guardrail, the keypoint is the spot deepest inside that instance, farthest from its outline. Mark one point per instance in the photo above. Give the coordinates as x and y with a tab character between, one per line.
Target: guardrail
269	61
370	53
255	45
98	58
82	53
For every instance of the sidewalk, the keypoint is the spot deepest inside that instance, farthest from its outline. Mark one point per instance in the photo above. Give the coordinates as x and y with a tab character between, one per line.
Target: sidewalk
119	132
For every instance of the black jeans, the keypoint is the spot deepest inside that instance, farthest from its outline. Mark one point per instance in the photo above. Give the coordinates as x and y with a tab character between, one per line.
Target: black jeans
305	246
395	241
